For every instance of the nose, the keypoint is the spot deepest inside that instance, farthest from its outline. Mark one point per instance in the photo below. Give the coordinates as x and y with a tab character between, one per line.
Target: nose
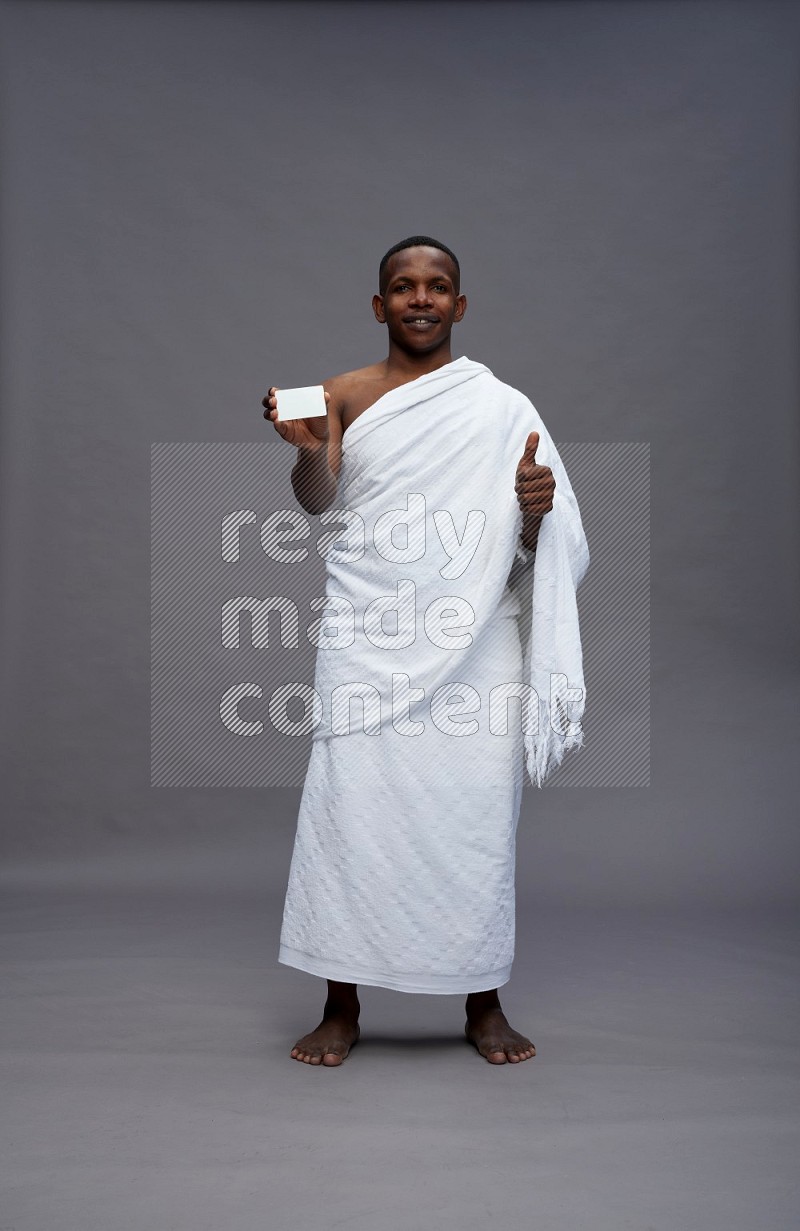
421	297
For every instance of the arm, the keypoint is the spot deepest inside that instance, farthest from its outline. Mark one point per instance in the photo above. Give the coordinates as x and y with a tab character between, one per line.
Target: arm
530	529
313	480
319	450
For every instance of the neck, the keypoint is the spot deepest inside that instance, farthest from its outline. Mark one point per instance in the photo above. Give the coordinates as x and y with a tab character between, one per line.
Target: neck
408	364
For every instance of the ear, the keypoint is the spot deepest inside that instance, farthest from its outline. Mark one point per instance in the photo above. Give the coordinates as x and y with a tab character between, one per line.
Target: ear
461	307
377	308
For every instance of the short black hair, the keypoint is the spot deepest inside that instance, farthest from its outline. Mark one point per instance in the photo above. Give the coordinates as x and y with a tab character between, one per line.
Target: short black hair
416	241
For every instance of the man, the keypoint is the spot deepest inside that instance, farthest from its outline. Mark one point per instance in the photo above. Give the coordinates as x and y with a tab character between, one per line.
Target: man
402	871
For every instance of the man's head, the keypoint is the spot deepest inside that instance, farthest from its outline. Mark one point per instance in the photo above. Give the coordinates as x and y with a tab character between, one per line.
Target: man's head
417	241
419	299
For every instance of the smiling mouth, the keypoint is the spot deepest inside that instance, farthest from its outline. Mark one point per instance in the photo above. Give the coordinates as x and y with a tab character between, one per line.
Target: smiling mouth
421	320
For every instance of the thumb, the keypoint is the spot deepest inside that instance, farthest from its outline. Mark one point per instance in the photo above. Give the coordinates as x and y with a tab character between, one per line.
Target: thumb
531	445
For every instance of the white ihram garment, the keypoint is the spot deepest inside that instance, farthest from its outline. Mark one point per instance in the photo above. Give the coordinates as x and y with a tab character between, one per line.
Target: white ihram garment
402	874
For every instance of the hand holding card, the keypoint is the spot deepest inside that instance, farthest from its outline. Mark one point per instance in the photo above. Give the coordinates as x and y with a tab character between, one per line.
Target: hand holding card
300	416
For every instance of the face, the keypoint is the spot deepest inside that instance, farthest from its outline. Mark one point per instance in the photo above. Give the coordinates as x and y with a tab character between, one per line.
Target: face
420	301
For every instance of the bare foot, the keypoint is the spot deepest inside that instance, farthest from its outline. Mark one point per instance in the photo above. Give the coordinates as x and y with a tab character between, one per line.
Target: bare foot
330	1043
488	1030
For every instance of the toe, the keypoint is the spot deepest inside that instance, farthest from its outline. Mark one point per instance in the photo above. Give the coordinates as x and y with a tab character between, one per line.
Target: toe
332	1058
496	1056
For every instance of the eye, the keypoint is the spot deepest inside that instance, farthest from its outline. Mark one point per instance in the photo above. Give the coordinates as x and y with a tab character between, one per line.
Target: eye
441	287
401	286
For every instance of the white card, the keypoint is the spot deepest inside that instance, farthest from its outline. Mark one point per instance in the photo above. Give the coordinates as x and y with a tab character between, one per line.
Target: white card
306	403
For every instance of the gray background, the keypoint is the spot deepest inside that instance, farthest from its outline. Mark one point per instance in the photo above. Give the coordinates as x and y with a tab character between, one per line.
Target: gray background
195	198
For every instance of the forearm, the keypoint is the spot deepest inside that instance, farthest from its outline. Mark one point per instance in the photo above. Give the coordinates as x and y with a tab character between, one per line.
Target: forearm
529	534
313	480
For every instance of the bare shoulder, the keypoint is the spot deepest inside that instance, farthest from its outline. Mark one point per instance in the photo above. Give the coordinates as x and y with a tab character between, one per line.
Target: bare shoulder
346	385
352	392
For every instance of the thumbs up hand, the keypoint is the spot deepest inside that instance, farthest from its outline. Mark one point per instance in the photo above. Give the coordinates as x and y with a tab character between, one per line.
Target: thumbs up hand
534	484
